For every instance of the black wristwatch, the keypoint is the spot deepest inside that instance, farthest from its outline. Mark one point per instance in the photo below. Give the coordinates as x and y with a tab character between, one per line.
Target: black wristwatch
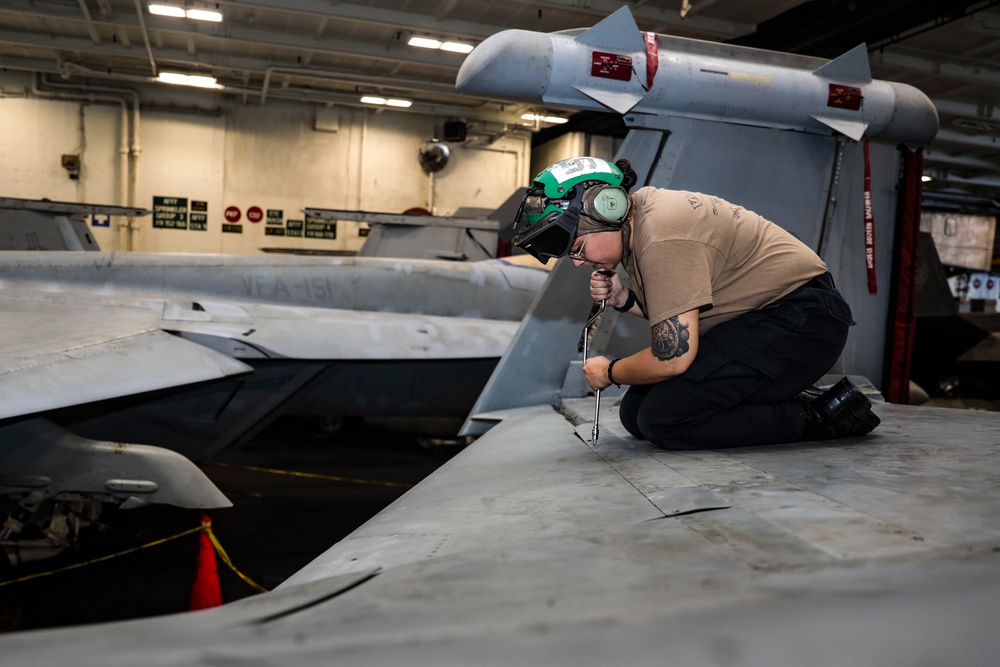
628	303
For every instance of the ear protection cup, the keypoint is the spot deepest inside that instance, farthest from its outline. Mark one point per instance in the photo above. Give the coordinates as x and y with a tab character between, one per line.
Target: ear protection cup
606	204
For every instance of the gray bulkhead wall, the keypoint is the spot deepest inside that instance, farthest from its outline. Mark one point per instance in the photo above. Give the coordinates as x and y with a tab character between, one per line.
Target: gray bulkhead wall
223	152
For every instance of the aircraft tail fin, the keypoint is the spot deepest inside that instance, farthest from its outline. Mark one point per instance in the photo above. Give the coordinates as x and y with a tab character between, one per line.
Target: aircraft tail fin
40	224
855	129
852	66
618	31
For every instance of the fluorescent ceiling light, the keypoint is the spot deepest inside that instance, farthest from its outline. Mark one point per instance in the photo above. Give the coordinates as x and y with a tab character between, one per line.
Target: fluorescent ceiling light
196	80
204	15
424	42
456	47
555	120
167	10
391	102
431	43
180	12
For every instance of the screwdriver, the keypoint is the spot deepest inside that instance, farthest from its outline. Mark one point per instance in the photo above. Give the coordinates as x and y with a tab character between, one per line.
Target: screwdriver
586	339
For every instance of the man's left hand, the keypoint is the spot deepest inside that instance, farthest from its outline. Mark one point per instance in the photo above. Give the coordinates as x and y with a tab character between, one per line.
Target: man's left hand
595	370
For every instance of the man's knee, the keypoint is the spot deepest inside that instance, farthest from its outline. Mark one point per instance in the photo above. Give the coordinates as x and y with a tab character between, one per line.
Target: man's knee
630	420
664	414
669	428
644	429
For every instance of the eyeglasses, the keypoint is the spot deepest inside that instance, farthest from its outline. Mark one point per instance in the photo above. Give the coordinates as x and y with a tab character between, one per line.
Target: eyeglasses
578	253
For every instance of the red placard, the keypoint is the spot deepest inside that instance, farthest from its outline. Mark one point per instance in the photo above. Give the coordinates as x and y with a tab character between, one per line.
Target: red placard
844	97
255	214
611	66
233	213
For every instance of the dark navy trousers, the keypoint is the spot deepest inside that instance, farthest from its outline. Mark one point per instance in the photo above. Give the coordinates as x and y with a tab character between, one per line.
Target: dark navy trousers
743	386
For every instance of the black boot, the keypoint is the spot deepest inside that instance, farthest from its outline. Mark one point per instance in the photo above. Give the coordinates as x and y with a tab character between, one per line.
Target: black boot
842	411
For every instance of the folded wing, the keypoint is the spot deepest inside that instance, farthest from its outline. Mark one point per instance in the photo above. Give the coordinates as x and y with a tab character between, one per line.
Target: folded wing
55	358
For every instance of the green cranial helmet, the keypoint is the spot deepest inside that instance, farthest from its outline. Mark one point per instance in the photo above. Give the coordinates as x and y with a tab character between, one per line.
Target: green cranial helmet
571	197
557	181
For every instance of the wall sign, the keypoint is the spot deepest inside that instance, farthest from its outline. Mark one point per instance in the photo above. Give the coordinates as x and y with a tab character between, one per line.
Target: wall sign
170	213
198	219
319	228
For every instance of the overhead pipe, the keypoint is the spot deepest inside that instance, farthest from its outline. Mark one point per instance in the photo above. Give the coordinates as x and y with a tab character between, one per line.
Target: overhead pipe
346	77
479	111
128	150
145	35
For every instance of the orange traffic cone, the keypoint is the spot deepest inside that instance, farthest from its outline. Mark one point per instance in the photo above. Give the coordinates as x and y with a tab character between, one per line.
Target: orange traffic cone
205	591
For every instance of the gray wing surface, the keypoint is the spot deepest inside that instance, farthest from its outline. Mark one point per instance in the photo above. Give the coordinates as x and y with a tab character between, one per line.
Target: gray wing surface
337	333
54	357
908	492
533	547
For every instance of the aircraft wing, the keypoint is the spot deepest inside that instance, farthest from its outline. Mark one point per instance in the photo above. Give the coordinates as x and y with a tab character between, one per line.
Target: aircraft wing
337	334
54	356
42	224
534	547
57	353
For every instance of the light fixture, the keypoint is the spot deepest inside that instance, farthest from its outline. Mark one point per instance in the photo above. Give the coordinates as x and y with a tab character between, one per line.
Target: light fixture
431	43
534	117
167	10
424	42
204	15
926	179
456	47
197	80
180	13
389	102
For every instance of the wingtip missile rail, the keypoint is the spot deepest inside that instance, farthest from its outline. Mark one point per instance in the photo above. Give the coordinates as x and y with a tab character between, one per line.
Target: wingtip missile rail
614	66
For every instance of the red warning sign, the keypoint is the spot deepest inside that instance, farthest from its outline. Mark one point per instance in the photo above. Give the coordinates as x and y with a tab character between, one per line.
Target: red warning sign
844	97
255	214
233	213
611	66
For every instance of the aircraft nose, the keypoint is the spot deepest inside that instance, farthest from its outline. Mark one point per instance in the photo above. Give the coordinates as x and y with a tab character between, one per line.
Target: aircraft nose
914	117
512	63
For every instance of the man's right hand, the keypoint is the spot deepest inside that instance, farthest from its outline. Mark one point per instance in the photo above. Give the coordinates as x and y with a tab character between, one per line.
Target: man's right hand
607	286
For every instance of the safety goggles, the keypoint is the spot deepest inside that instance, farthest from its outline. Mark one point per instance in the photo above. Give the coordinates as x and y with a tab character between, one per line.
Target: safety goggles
553	234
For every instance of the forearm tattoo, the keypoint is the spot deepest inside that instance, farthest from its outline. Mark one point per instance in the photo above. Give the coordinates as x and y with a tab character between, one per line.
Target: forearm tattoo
670	339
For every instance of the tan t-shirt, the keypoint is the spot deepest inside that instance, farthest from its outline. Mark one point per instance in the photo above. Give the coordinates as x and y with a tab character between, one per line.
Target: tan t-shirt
692	250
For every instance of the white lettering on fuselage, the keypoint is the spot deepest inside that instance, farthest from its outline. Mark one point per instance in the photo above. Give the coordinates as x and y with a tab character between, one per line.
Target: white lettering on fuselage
268	287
